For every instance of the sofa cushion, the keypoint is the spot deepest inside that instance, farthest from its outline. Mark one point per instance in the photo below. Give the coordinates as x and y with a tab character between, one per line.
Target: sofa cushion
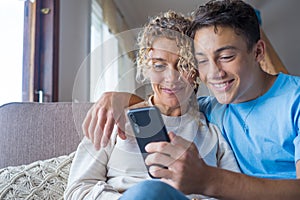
45	179
39	131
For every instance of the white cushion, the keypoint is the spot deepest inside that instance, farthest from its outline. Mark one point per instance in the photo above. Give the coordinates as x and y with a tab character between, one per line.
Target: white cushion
45	179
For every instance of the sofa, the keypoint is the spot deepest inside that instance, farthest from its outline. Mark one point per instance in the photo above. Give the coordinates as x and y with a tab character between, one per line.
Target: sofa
37	145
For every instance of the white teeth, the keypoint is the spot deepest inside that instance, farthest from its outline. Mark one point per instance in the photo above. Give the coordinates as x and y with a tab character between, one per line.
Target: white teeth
220	85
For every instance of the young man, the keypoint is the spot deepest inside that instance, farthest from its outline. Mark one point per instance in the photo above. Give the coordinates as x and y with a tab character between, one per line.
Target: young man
258	114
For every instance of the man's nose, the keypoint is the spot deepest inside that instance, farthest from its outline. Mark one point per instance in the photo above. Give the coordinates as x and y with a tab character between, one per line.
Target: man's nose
215	69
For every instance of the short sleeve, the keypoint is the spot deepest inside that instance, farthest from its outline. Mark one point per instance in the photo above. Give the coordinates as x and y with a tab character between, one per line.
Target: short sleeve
297	147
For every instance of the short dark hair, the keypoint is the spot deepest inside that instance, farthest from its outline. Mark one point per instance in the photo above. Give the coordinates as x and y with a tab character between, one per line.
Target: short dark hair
228	13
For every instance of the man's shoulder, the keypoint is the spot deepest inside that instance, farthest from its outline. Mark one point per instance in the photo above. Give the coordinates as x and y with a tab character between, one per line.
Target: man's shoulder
212	109
205	100
286	85
290	80
208	103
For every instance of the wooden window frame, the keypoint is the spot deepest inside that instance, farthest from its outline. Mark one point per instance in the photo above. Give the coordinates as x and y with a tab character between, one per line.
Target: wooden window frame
41	51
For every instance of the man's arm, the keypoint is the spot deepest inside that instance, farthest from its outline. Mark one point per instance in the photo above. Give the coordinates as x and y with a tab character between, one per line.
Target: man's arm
104	114
229	185
188	173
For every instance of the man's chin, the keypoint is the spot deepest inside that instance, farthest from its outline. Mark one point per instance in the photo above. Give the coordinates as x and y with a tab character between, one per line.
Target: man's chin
223	99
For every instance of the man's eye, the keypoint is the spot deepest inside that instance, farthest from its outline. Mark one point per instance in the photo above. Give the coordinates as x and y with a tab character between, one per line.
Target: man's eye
226	58
159	67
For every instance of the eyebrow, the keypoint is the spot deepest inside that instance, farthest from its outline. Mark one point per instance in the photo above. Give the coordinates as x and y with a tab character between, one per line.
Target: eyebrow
162	60
219	50
157	59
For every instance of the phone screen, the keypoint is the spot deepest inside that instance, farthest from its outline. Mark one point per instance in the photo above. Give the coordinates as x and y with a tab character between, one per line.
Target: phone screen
148	126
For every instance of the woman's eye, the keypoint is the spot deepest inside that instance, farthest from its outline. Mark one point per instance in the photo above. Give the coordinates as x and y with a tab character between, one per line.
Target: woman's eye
159	67
201	62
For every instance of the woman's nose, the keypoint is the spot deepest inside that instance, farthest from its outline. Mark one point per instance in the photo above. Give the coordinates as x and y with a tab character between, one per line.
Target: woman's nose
172	74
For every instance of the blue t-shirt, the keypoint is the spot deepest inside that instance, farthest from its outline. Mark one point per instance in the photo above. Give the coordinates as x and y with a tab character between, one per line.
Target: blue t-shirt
263	133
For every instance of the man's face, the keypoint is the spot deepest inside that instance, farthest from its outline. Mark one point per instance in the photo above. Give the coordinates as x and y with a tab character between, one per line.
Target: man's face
225	65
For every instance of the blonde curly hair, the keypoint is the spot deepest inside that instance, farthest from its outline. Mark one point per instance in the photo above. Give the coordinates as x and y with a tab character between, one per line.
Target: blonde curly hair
173	26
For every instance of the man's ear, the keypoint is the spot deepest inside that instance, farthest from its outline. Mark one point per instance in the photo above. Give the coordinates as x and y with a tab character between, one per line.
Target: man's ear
260	50
271	63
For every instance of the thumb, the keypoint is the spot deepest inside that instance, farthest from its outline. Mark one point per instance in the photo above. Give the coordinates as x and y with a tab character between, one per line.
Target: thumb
171	135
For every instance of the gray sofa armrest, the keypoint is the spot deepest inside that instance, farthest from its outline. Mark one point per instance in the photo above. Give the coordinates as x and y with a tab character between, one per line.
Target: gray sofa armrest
39	131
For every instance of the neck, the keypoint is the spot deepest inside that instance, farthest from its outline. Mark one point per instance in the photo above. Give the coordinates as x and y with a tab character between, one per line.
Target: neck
171	110
267	83
262	83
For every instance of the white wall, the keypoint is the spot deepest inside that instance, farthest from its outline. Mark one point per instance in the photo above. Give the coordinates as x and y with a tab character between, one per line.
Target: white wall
74	52
280	22
74	46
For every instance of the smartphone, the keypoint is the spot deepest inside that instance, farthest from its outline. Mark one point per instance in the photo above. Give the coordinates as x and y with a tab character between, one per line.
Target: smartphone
148	126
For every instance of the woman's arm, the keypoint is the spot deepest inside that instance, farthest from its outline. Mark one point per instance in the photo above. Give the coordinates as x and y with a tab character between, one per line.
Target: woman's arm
225	156
104	114
87	178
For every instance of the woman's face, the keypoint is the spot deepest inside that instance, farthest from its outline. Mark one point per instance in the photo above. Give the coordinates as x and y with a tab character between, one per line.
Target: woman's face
171	90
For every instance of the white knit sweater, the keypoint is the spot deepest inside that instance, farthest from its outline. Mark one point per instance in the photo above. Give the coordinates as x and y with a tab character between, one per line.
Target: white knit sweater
107	173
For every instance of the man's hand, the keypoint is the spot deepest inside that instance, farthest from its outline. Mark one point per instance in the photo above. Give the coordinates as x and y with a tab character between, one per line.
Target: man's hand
186	170
104	114
101	118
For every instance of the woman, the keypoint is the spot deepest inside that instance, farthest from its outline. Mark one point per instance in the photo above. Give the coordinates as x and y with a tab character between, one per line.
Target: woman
165	59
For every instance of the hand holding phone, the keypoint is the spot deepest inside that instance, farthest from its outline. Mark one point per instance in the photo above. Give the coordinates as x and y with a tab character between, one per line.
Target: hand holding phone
148	126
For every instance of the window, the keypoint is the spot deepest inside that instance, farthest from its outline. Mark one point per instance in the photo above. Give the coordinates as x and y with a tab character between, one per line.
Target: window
40	63
111	68
103	58
11	50
29	50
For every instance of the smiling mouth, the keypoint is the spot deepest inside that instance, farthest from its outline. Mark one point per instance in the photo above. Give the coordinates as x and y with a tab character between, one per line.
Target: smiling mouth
224	86
171	91
220	85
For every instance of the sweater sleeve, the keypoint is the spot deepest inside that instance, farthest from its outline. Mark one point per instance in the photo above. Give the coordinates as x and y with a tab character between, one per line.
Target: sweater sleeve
87	178
225	156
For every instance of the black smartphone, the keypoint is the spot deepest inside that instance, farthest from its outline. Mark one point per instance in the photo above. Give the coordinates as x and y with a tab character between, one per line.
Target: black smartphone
148	126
